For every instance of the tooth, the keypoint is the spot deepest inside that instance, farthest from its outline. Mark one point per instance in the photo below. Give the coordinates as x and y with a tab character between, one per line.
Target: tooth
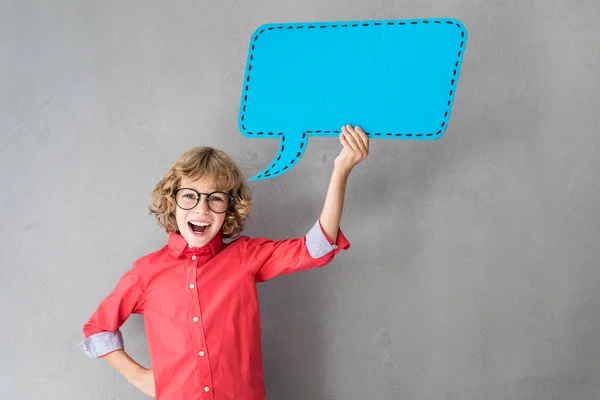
199	223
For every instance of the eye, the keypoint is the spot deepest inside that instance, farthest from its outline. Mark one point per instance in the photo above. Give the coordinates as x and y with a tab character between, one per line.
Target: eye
216	198
190	196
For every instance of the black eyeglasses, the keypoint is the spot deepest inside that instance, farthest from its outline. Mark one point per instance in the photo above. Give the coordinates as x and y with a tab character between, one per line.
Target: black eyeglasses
187	198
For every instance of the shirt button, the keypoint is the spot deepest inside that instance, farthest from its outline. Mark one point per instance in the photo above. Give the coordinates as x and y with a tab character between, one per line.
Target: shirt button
195	319
201	354
191	285
206	388
194	258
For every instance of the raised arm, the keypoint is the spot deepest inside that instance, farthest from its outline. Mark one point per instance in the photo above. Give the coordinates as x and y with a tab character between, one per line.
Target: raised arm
267	258
355	149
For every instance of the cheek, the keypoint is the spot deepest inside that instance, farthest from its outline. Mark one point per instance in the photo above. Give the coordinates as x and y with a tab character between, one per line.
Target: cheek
180	216
221	220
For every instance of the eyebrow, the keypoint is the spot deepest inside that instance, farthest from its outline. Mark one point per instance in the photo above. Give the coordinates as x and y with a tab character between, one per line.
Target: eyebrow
201	191
191	185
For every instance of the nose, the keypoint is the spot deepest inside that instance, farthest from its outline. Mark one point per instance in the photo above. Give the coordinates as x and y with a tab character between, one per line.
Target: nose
202	206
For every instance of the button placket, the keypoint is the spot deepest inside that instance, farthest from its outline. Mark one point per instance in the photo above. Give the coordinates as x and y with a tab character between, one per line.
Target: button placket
197	326
191	279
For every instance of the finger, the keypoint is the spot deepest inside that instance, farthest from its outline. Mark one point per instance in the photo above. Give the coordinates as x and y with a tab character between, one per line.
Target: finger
344	141
350	139
363	135
347	146
358	143
362	140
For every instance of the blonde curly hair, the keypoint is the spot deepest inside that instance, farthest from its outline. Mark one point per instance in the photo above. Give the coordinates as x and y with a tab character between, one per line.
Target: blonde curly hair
216	168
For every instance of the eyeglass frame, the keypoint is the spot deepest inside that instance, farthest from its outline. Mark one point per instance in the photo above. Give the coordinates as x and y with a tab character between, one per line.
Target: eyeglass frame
230	197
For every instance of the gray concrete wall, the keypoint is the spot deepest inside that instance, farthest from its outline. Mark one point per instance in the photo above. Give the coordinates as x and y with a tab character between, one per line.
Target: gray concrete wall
474	267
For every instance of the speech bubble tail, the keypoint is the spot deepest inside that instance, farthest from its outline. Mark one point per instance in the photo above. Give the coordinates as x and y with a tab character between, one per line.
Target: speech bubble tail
291	149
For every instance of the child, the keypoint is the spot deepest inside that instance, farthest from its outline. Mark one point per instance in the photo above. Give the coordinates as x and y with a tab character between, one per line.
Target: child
198	294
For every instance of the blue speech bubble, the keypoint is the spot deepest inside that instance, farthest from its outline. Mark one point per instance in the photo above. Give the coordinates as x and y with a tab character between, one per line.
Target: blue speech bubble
394	78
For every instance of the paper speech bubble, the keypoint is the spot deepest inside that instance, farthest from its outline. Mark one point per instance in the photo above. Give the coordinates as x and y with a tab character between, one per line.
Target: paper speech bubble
394	78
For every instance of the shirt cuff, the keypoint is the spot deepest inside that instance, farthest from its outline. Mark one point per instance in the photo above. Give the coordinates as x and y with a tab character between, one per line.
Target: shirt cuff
319	244
100	344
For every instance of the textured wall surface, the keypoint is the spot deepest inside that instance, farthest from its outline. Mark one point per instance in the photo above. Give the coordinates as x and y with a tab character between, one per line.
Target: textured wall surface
474	267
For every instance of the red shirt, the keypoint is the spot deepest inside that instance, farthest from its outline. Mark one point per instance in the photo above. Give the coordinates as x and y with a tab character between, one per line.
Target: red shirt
201	312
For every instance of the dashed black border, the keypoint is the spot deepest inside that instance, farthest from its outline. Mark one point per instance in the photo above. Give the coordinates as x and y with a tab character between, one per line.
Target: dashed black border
350	24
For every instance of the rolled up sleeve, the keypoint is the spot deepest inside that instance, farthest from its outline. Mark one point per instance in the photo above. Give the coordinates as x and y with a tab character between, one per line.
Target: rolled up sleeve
270	258
319	244
103	343
102	335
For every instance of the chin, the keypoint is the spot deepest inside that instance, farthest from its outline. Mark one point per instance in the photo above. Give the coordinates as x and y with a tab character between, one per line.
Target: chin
199	240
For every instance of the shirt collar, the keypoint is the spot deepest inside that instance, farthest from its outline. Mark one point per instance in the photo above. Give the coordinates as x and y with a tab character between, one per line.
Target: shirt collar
178	245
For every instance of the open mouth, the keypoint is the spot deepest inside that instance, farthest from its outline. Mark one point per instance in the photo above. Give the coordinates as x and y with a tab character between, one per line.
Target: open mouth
198	227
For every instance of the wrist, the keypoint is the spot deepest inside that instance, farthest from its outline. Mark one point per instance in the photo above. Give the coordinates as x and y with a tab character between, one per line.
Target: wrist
341	172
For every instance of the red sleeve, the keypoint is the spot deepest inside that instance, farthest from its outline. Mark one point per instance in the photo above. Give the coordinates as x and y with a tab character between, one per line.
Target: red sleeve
270	258
127	298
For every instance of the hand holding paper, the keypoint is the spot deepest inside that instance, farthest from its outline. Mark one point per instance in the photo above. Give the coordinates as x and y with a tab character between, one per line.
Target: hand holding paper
396	79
